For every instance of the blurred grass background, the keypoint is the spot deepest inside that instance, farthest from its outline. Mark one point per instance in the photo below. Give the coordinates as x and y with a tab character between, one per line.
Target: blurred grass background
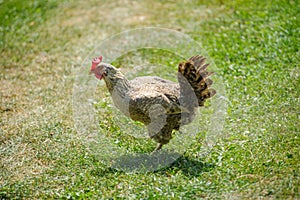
255	45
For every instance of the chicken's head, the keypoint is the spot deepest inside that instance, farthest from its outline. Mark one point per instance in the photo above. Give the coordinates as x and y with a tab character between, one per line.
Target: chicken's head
102	70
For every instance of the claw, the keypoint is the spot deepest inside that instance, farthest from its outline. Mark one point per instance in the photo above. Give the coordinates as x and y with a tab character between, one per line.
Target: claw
159	146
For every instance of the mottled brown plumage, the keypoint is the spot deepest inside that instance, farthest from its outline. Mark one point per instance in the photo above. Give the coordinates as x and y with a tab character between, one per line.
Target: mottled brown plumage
162	105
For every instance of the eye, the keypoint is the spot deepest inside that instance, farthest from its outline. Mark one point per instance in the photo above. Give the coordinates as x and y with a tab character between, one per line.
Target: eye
105	72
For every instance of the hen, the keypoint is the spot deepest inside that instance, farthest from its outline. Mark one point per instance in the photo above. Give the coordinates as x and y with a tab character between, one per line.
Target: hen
162	105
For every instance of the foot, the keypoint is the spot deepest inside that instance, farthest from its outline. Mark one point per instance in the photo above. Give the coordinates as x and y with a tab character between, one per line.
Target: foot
159	146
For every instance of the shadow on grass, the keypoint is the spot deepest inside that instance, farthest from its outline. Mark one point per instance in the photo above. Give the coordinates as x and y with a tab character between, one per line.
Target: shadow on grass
145	162
162	162
189	167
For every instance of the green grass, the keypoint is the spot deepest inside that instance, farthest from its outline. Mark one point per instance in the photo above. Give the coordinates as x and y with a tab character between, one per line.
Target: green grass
254	44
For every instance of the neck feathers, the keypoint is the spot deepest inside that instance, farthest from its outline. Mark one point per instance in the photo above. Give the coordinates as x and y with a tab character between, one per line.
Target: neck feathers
117	82
119	87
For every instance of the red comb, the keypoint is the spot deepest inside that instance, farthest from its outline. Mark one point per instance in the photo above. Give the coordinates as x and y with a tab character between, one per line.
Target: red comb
96	61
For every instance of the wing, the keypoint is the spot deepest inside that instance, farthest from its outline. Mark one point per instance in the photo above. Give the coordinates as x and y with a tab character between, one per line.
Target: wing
152	96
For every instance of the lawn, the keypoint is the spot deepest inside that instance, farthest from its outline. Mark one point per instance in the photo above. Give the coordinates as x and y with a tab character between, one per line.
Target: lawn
255	49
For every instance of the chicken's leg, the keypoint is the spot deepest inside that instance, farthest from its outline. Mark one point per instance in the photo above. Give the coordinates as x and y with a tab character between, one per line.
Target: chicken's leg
158	147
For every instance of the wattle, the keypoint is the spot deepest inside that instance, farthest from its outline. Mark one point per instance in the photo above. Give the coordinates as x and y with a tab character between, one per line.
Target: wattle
99	76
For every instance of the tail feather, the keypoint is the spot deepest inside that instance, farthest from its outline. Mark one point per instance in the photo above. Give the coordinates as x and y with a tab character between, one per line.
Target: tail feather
194	71
197	60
